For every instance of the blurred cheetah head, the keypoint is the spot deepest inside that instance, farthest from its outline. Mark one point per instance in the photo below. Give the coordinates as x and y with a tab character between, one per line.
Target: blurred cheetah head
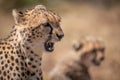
91	50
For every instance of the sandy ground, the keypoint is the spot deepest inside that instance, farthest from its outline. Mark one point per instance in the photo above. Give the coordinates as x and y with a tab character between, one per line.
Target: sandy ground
79	21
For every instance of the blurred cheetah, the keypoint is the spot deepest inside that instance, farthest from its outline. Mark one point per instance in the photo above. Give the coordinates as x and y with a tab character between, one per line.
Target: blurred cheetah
89	51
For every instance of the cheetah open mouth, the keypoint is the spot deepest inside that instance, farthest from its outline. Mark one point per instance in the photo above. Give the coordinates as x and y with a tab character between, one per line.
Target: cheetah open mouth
49	46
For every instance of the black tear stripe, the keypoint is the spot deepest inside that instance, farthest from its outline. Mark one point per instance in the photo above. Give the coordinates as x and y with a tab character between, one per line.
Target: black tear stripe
51	29
50	35
49	38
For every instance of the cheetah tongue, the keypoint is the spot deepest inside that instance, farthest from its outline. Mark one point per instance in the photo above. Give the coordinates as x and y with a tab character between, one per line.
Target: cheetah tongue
49	46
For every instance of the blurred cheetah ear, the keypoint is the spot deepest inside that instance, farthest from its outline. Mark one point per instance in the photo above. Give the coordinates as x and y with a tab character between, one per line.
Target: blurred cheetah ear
77	46
17	15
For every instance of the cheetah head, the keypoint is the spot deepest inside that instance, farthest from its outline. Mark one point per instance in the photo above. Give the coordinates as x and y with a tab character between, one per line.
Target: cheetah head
39	26
91	50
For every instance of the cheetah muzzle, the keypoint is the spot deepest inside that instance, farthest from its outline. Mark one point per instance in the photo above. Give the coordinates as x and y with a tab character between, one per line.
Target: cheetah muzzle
49	45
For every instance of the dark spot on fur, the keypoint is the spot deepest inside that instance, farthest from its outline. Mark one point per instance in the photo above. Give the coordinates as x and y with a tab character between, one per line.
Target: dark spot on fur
16	60
31	52
14	74
1	52
8	61
6	56
32	74
38	78
12	64
11	68
4	73
8	47
28	72
17	68
6	65
2	62
33	66
29	63
12	58
3	48
31	59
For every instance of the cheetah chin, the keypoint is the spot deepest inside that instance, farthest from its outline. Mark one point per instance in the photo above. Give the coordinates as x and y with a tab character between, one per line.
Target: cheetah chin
49	46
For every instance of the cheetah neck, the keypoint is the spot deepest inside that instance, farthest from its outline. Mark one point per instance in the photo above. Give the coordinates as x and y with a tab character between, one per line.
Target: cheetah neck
14	38
32	58
30	51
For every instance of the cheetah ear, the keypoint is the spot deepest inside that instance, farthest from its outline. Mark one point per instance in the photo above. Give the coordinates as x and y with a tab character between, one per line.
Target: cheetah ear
17	15
77	46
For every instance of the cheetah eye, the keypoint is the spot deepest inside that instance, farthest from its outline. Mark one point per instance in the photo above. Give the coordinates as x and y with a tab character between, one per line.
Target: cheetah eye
102	49
47	25
48	28
93	51
20	12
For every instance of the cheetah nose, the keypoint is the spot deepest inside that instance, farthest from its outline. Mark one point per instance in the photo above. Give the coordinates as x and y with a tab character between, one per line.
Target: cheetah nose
102	58
60	36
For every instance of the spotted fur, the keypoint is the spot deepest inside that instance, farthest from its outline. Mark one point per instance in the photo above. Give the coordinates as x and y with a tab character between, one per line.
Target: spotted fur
75	66
35	31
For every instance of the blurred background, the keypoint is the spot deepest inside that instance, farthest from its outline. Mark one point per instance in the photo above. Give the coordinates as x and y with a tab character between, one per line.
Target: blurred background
99	18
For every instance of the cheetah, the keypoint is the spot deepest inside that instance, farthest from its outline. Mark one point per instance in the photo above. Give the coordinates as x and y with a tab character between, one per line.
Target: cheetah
35	31
75	65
